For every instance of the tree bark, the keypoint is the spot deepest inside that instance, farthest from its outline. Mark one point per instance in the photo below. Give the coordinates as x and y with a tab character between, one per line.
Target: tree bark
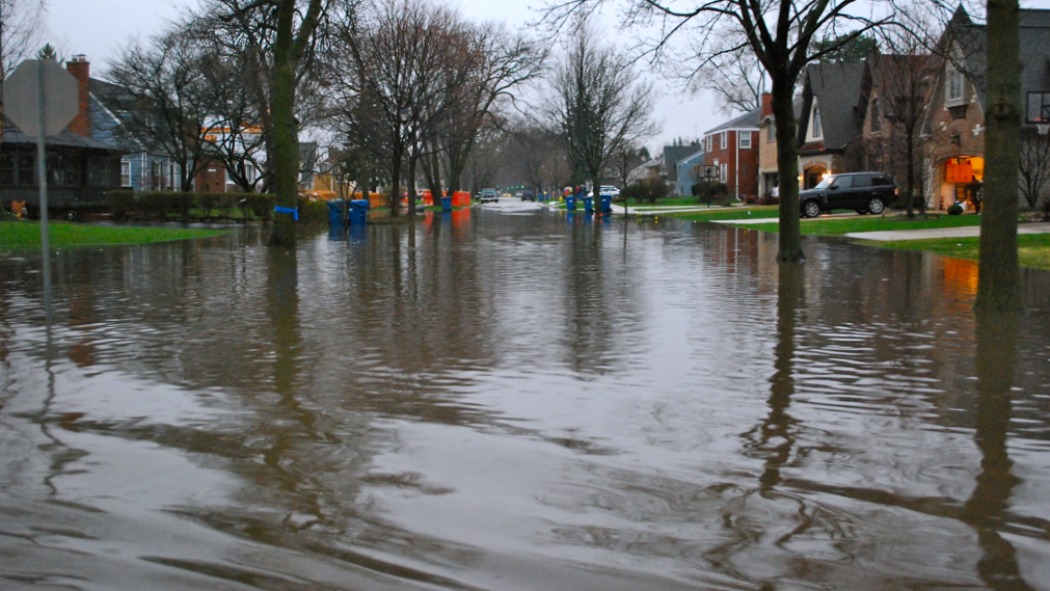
787	167
999	277
285	130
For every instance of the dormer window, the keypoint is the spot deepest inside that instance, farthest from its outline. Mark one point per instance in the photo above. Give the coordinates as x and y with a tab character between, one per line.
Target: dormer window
953	86
816	129
876	116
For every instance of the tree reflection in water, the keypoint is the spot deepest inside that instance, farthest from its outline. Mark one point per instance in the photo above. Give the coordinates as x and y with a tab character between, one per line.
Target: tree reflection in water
986	509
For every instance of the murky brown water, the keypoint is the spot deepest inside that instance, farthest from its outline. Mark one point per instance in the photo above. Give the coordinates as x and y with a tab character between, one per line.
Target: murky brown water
519	402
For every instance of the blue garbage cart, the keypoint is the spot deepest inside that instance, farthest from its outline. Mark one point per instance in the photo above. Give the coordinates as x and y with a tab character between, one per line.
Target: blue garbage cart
359	211
336	212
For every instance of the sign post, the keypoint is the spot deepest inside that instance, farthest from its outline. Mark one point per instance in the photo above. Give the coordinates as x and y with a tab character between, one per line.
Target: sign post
41	98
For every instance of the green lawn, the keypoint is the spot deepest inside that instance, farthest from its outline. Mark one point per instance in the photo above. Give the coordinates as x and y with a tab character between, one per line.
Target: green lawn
26	235
1033	250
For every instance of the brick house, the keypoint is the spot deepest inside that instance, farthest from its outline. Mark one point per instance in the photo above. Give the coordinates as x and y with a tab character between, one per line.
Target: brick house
954	125
768	173
732	148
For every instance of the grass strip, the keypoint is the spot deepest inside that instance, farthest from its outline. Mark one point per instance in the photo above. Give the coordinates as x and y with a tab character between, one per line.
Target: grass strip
26	235
1033	250
736	212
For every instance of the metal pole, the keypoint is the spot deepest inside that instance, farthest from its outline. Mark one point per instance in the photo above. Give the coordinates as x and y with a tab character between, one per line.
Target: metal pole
41	160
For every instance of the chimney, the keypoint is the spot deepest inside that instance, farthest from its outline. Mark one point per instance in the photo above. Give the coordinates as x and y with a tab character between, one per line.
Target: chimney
767	105
79	67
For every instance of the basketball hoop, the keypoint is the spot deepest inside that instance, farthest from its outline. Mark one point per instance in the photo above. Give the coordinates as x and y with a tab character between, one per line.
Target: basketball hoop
1042	128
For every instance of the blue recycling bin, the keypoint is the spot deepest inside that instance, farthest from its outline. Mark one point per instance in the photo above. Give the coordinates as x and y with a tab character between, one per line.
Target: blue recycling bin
335	213
570	202
446	204
588	205
606	204
359	211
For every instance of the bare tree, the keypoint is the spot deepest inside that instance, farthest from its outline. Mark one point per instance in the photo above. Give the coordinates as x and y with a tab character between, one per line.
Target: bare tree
20	31
780	34
19	35
1035	165
283	36
165	108
600	106
501	61
236	103
900	77
624	160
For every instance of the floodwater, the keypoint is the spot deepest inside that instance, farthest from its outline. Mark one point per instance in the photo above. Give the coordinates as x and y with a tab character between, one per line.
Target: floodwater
507	400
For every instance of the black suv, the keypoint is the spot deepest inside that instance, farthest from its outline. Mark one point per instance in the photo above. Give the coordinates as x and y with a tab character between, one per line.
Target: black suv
863	192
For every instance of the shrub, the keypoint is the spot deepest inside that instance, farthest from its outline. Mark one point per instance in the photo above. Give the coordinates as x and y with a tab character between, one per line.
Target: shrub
955	209
648	190
711	192
121	204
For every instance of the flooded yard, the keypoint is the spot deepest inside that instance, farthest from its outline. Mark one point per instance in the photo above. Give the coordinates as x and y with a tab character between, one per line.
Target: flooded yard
519	400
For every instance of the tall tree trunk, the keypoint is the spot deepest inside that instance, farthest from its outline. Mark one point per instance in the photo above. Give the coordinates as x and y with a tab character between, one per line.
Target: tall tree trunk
285	130
787	164
413	159
911	172
394	198
999	277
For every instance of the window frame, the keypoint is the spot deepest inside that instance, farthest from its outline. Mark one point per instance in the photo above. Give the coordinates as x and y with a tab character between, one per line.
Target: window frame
954	86
816	128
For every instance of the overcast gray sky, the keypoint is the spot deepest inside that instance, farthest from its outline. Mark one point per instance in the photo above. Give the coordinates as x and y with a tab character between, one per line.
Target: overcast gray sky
100	28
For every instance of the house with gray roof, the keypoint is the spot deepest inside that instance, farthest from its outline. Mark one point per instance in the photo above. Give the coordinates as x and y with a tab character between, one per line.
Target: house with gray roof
834	104
83	161
141	169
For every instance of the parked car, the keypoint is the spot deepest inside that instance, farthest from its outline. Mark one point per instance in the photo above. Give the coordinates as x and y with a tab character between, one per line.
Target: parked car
609	190
863	192
488	195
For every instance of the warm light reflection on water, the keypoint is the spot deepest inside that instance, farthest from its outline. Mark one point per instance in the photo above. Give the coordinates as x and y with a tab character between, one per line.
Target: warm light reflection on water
519	400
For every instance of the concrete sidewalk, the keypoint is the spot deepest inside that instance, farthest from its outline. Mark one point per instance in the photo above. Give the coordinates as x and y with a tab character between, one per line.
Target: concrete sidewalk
963	232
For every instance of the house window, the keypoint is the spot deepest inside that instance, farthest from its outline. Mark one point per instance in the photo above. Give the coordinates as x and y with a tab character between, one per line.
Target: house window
1038	107
7	170
876	116
26	170
723	173
771	134
816	129
125	173
745	140
953	86
724	138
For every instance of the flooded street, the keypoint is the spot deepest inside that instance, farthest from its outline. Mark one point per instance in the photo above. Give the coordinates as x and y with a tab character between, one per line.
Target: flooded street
508	399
